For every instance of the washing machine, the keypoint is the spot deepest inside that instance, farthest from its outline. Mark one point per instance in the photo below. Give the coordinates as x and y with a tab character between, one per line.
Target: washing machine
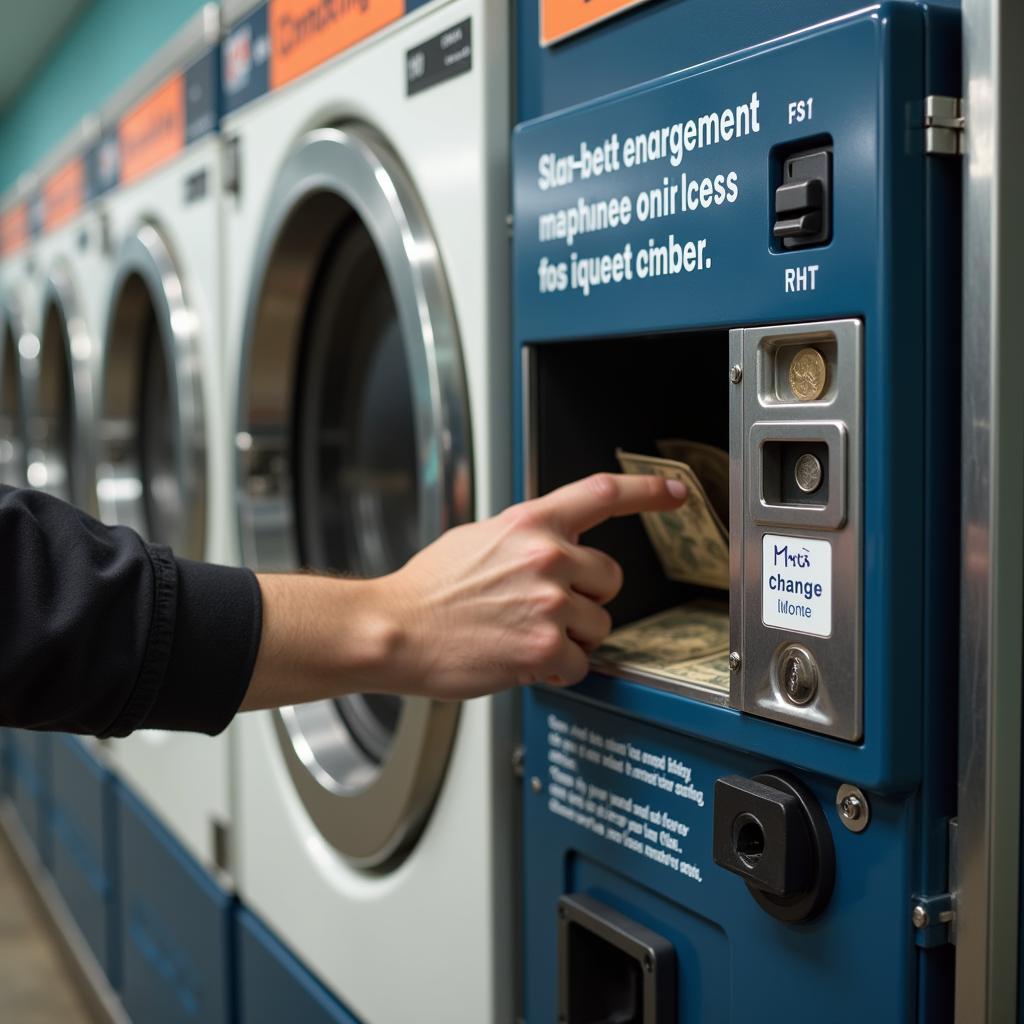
366	233
59	385
16	304
161	444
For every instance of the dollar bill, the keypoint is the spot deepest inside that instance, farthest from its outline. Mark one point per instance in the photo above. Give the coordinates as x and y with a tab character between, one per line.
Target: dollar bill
692	542
688	643
710	464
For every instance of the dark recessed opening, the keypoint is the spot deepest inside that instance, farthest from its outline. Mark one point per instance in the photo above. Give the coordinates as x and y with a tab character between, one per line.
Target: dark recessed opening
749	839
605	983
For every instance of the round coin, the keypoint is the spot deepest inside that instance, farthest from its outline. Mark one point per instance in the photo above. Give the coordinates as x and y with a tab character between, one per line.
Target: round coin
807	375
808	473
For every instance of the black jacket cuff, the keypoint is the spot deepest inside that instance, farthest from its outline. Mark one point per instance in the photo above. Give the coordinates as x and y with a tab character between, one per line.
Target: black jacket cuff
206	645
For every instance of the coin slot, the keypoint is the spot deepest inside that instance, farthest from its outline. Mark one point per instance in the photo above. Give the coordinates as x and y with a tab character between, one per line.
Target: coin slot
795	473
588	399
798	370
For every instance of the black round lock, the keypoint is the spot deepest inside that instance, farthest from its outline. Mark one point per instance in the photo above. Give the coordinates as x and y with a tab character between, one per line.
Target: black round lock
821	866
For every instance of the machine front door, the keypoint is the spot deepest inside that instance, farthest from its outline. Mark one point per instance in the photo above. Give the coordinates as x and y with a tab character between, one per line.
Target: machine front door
152	445
353	453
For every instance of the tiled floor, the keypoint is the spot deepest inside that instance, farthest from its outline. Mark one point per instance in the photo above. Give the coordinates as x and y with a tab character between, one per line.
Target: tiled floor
34	988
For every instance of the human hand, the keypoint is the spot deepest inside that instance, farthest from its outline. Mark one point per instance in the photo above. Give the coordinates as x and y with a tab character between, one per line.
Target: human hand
514	599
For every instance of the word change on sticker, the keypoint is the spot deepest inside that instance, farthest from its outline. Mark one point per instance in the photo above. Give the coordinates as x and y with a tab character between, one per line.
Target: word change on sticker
796	584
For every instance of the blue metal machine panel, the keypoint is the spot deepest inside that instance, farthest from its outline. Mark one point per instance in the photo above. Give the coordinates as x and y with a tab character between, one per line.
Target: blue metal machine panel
888	265
84	864
31	754
175	927
273	986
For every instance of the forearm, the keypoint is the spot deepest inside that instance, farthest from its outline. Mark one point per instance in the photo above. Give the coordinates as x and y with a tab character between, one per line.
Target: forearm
499	603
323	637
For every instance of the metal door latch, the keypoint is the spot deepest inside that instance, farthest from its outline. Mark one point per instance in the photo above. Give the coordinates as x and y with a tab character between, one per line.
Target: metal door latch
944	124
931	917
934	917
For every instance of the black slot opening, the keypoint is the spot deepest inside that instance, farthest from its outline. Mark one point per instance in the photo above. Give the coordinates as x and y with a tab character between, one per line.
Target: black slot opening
612	970
591	397
795	473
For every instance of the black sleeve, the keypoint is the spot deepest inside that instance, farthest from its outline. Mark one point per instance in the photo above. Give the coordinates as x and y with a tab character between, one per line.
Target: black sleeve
102	633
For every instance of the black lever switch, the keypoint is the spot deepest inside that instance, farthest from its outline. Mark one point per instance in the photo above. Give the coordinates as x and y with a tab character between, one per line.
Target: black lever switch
803	202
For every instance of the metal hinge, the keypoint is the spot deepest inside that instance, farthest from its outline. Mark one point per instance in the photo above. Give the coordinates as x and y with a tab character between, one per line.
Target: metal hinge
944	125
220	837
231	170
518	760
934	917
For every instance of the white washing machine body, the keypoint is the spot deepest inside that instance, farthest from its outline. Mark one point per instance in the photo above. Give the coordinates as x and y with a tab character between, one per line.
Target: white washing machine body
163	450
16	302
367	270
18	343
68	277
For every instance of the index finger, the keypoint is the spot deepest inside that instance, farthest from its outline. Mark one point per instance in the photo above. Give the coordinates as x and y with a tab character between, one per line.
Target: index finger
580	506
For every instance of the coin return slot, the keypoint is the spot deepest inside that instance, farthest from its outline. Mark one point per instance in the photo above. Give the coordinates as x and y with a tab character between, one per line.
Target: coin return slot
795	473
588	399
612	970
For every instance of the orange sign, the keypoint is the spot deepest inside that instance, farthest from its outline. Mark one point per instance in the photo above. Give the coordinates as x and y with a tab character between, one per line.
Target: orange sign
63	194
13	229
305	33
561	18
153	131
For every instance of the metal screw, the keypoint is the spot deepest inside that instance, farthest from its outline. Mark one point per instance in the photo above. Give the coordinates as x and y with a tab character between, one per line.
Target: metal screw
536	785
735	661
920	917
850	808
735	374
854	810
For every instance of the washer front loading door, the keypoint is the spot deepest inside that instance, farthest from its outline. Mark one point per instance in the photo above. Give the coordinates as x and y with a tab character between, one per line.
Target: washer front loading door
59	401
12	415
354	452
152	444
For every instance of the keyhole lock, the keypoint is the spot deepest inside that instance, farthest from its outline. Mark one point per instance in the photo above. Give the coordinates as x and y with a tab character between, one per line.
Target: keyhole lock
797	674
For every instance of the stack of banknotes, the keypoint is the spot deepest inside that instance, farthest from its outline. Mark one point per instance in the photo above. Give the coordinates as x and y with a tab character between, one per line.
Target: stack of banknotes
689	643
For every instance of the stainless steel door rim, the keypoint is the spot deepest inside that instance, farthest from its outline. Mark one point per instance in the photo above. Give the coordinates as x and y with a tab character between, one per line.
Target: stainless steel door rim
346	270
151	445
12	404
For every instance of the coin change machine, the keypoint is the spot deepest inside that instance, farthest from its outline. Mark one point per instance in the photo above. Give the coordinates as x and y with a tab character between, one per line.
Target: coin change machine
756	252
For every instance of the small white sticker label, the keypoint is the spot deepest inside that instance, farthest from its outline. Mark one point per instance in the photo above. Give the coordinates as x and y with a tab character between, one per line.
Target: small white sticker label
796	584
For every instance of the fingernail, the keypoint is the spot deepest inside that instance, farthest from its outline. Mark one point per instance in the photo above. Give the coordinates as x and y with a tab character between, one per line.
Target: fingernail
676	488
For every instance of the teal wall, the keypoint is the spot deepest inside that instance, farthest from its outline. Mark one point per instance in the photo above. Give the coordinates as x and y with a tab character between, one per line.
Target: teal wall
109	42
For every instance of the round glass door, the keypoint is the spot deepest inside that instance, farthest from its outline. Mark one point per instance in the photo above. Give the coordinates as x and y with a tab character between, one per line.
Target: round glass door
353	444
152	462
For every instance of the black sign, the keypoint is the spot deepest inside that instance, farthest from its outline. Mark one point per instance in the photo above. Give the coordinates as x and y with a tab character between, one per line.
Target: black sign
245	60
35	214
102	165
440	58
201	99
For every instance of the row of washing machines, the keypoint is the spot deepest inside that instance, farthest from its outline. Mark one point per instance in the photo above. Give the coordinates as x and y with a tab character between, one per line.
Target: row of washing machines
273	329
292	323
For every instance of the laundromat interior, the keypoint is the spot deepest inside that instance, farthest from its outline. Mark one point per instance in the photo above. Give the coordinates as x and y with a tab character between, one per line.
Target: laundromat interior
511	511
